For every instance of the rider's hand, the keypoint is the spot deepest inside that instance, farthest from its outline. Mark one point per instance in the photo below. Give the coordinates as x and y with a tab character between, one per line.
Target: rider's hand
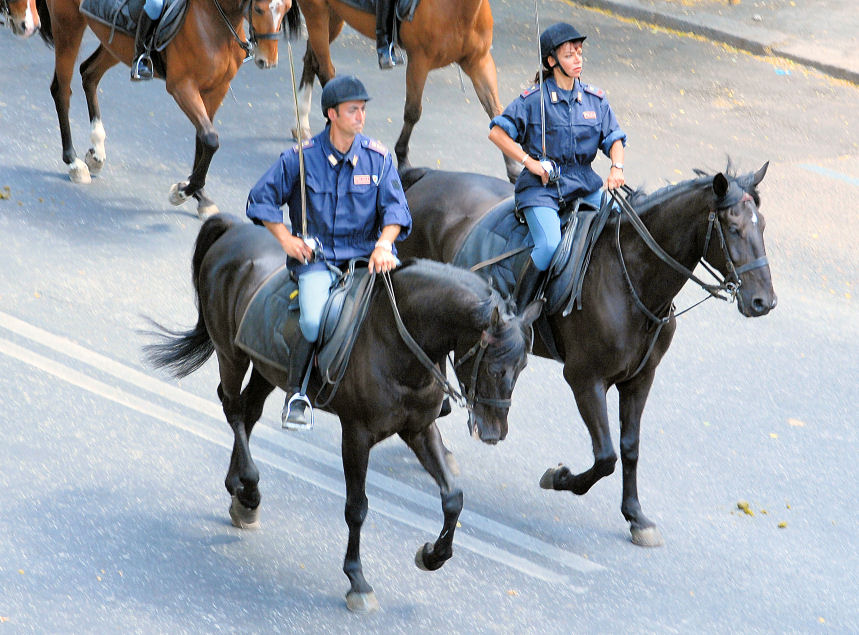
536	168
615	179
296	248
382	259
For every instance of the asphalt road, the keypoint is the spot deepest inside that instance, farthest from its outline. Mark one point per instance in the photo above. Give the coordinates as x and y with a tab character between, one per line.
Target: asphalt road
113	508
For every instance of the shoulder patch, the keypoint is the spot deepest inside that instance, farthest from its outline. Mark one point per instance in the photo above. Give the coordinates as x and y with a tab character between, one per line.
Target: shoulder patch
531	89
593	90
308	143
372	144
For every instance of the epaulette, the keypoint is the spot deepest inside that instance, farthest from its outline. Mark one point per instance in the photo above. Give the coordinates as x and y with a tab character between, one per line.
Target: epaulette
372	144
307	143
530	90
593	90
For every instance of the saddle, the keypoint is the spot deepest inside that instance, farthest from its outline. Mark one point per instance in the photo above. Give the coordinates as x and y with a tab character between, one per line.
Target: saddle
499	247
404	10
269	327
123	16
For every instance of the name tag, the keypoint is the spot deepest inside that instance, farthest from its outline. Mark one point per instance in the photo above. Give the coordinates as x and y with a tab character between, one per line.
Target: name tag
589	114
361	179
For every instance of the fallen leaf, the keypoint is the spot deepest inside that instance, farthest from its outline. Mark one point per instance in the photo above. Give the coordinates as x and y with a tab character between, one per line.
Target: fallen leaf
744	507
782	525
773	435
796	423
512	592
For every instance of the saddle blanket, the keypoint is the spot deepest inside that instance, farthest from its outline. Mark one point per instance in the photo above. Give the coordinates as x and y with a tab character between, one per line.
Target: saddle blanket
405	9
123	16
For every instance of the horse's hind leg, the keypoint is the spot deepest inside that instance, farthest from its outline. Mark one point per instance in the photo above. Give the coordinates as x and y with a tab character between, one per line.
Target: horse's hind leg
633	396
92	70
68	33
355	446
591	401
242	409
416	78
428	447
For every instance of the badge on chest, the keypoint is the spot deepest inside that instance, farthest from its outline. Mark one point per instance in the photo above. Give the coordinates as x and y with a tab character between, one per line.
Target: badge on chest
361	179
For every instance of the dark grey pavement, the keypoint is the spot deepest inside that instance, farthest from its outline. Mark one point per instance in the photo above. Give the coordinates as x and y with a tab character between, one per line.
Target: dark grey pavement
821	34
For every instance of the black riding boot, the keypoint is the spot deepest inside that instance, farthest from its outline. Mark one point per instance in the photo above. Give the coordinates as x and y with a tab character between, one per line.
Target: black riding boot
389	56
297	412
141	66
530	285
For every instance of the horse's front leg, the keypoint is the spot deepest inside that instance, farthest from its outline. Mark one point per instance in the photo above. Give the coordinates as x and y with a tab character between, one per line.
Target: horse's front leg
416	78
484	77
590	398
428	447
633	396
355	447
92	70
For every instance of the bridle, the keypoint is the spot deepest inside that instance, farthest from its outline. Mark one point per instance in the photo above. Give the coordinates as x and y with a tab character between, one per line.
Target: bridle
464	397
730	284
253	37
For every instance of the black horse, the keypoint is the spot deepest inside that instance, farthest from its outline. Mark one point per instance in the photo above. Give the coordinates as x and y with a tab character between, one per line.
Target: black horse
627	320
386	388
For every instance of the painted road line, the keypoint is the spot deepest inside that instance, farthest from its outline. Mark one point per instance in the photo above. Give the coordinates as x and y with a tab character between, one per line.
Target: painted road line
830	173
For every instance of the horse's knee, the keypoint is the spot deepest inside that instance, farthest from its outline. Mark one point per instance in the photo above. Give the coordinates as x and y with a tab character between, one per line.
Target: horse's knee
412	113
605	466
452	502
210	140
356	512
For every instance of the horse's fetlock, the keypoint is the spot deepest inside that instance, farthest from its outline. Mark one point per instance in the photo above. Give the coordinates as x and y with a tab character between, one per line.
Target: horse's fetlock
604	467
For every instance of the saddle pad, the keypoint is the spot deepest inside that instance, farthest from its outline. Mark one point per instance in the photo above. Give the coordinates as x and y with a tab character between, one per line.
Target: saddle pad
405	8
123	15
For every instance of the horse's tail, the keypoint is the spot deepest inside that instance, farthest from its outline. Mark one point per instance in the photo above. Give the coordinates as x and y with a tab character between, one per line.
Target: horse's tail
293	21
183	352
45	29
409	176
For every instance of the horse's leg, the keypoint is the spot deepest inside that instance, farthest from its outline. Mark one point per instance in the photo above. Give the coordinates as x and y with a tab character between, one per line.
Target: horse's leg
428	447
355	447
67	42
92	70
484	77
199	110
312	68
591	401
633	396
417	70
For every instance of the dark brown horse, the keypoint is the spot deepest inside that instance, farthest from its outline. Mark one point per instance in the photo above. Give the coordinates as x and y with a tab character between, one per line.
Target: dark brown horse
441	33
627	320
387	389
200	62
21	16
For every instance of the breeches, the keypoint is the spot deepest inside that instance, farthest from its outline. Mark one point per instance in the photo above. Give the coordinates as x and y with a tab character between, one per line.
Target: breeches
313	290
153	8
545	227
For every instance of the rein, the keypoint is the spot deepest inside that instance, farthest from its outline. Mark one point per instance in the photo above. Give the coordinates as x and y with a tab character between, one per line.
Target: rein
470	398
730	284
249	46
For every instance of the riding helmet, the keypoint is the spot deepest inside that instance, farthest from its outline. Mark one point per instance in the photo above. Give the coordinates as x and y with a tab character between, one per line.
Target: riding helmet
342	88
557	34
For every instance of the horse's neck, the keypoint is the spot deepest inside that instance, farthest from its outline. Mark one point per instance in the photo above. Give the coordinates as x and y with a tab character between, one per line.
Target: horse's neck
676	227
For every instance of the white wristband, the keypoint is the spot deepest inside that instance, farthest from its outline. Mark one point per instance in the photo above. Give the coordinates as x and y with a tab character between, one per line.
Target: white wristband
385	244
524	158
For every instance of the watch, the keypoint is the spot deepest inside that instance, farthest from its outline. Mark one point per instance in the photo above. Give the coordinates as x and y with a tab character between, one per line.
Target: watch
619	166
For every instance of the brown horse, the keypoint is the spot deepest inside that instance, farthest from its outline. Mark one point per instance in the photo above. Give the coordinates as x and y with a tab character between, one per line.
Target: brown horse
21	16
441	32
627	318
198	65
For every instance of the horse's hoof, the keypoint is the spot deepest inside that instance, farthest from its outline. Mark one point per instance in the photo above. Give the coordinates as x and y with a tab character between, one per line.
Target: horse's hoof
206	211
79	172
177	193
646	536
547	481
93	162
419	557
452	463
362	603
243	517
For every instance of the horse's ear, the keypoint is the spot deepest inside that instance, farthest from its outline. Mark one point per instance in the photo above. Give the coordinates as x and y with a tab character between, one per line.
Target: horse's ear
720	185
531	313
759	175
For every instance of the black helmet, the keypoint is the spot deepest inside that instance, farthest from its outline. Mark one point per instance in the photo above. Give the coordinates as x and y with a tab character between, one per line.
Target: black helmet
342	88
555	35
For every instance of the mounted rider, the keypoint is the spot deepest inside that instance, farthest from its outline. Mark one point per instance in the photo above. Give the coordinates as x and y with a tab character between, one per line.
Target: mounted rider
386	47
355	208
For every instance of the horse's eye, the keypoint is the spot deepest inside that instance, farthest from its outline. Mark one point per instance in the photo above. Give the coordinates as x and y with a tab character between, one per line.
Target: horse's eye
733	229
258	11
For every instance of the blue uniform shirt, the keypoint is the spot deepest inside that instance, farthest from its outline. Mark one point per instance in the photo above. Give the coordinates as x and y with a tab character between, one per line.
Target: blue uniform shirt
350	197
578	123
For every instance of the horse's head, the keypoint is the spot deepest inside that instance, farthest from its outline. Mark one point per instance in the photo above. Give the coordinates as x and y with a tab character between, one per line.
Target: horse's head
735	244
266	20
488	369
21	15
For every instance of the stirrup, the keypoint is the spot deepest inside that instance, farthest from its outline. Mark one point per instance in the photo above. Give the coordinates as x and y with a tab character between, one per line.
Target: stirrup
144	63
386	57
302	422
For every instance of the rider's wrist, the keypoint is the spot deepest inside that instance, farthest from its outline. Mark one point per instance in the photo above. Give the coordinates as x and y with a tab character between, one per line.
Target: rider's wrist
524	158
384	244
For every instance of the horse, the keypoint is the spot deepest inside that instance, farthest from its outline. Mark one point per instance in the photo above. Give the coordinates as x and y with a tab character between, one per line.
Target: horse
198	65
387	387
21	16
627	318
441	32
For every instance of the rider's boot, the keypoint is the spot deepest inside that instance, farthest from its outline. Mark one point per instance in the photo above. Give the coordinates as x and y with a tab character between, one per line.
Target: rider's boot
297	412
530	285
389	56
141	66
